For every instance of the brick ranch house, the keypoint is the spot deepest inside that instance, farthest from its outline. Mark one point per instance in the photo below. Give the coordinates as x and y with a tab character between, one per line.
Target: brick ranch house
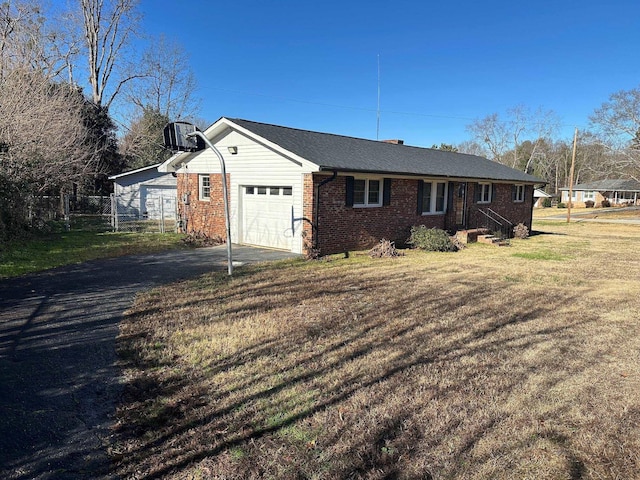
295	189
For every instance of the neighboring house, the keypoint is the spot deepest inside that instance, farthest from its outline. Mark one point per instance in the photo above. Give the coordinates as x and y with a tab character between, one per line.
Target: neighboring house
145	193
539	197
296	189
617	192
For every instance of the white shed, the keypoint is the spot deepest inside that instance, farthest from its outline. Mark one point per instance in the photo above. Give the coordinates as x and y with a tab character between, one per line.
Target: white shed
145	193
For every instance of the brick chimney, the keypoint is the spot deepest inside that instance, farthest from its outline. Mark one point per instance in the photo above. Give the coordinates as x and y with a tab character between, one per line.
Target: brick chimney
395	141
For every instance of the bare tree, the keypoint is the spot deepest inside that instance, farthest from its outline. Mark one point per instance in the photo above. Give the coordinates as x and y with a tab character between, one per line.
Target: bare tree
167	85
42	128
108	26
617	121
503	138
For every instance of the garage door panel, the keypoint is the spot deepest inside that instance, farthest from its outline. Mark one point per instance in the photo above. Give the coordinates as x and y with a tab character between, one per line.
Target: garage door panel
267	217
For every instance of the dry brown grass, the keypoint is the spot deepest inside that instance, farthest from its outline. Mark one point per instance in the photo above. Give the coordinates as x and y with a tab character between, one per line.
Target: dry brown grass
514	362
615	213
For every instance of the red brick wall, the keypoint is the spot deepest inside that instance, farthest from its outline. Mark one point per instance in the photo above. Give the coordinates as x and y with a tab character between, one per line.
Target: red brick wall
502	203
201	216
342	228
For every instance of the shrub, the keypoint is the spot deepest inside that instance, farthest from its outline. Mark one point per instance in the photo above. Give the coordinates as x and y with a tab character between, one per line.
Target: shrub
589	204
520	231
430	239
546	203
201	239
385	249
605	203
561	205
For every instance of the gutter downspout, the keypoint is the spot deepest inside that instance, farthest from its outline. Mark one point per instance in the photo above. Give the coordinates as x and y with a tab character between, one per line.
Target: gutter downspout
317	207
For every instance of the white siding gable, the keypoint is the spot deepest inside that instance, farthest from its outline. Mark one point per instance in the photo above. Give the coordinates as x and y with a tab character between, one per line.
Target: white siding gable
255	164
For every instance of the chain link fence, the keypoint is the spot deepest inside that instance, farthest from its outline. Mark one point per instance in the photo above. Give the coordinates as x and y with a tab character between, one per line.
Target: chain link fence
104	213
159	216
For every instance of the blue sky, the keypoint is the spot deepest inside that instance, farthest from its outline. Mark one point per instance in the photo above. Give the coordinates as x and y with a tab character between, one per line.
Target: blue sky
314	65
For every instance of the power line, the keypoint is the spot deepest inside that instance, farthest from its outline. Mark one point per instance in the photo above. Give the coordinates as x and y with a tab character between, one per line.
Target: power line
362	109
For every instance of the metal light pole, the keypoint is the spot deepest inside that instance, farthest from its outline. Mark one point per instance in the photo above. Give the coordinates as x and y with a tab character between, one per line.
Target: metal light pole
227	217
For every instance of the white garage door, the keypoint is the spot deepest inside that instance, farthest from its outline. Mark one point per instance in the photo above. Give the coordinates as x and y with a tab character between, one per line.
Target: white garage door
267	216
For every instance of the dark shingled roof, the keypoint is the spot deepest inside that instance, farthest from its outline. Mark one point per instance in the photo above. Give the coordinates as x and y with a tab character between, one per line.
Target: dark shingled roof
348	154
615	185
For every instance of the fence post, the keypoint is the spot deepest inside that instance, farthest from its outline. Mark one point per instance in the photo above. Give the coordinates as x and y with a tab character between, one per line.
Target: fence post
161	213
114	212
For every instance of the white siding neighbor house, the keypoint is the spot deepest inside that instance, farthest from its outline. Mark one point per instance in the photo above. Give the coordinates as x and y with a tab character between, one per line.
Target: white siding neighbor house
145	194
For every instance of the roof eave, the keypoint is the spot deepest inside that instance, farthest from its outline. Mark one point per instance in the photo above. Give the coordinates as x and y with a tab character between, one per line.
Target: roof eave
326	168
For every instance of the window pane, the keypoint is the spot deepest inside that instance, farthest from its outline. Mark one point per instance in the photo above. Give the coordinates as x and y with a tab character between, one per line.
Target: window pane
249	190
262	190
485	192
274	191
359	187
440	197
374	192
426	197
205	186
287	191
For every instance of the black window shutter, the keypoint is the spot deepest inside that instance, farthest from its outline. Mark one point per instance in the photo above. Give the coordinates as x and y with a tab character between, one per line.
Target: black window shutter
514	188
349	191
420	194
476	193
528	192
386	192
450	189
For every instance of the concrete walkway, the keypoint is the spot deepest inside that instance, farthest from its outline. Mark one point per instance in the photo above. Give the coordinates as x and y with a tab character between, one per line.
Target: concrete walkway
59	383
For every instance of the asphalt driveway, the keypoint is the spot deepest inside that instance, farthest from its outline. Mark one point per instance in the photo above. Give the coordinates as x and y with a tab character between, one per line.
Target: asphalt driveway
59	383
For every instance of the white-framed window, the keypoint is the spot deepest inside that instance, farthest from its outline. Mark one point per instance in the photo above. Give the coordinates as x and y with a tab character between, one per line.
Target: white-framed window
518	193
589	195
367	192
204	187
484	194
434	197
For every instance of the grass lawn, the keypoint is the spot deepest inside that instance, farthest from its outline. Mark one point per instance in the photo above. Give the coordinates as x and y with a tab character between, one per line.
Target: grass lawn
493	362
75	246
582	213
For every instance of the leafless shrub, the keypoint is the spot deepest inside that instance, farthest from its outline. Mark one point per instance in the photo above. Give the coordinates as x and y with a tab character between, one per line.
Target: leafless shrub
384	249
457	243
520	231
201	239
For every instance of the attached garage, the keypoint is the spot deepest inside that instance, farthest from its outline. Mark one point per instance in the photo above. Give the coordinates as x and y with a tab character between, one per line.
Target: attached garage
267	216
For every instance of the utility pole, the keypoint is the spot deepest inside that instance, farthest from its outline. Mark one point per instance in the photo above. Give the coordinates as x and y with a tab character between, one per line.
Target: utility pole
573	164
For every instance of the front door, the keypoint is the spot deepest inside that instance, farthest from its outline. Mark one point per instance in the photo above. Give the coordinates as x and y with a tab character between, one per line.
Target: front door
460	205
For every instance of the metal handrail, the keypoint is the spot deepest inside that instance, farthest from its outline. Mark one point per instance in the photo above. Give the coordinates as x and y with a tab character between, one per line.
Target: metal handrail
505	230
499	216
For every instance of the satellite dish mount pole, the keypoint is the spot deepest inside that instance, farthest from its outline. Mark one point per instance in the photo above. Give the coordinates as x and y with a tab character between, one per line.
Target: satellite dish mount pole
227	217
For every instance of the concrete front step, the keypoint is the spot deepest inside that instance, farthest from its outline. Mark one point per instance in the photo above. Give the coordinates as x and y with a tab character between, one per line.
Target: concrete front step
492	240
481	235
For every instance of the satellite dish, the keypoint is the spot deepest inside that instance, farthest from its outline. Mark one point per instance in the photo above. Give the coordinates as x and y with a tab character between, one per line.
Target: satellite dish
176	137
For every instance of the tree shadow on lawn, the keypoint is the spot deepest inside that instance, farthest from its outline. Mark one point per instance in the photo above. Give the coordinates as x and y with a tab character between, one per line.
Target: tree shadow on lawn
409	389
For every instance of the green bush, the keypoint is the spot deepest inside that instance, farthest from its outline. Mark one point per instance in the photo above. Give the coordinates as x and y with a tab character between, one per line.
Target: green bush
546	203
589	204
561	205
430	239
